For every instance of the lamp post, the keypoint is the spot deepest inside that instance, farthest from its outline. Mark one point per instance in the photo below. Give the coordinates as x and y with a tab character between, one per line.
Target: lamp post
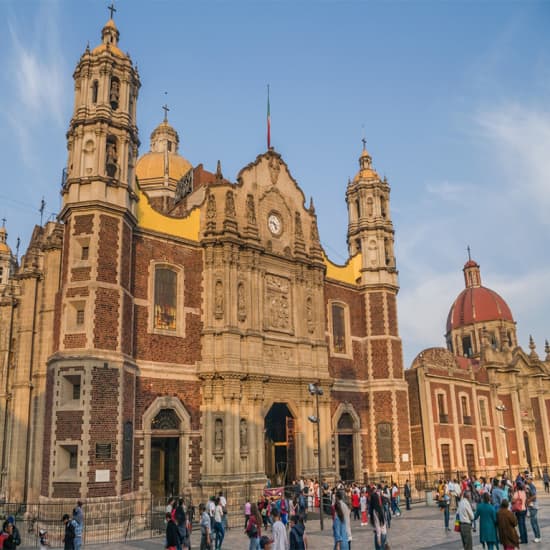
315	390
501	408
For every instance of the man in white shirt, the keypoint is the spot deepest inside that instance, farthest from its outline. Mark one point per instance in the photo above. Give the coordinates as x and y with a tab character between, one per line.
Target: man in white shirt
465	516
278	532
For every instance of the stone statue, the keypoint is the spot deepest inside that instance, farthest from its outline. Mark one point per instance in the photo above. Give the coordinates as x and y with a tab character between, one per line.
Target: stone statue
211	207
218	435
243	431
229	204
218	300
111	159
250	213
114	93
241	302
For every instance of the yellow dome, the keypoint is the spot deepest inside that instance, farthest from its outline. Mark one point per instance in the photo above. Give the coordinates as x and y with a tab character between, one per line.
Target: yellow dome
111	24
115	50
4	248
151	166
366	174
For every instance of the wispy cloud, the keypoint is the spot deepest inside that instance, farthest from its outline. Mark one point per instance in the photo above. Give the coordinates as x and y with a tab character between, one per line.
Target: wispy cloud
35	80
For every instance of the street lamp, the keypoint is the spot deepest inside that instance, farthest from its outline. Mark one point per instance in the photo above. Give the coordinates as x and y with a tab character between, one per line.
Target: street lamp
315	390
501	408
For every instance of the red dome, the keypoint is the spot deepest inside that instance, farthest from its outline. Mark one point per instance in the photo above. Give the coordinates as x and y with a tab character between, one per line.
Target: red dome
475	305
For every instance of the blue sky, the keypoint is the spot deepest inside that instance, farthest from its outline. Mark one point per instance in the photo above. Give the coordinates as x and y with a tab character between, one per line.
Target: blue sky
452	98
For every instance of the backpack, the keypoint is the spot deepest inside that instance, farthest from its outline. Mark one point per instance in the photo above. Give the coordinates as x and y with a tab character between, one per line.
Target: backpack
252	528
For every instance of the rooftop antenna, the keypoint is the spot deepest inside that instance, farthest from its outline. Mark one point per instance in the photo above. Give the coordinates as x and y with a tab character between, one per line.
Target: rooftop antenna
41	209
112	9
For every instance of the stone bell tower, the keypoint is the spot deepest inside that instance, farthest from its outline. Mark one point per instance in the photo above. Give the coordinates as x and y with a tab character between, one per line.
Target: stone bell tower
371	234
91	375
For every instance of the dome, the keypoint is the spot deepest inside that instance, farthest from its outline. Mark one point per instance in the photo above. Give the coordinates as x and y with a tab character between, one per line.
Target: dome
475	305
4	248
366	171
151	166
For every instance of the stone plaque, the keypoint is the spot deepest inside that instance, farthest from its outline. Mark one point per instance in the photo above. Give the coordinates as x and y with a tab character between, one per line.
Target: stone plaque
101	476
384	442
103	451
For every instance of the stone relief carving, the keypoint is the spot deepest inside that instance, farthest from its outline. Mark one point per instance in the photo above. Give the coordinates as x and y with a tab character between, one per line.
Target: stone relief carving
218	300
277	302
274	169
229	204
314	231
250	211
211	207
241	302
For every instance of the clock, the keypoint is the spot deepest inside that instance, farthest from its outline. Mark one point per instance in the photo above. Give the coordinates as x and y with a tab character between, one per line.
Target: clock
274	224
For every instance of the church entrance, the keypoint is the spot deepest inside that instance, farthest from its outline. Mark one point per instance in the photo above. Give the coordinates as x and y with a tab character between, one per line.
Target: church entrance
345	448
164	466
280	445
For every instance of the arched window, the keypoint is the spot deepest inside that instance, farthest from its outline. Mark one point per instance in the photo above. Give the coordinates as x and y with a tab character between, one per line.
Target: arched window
95	89
165	299
358	207
338	328
345	422
114	92
383	211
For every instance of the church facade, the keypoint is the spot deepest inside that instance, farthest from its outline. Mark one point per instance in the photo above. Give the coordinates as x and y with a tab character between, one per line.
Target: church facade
160	336
482	405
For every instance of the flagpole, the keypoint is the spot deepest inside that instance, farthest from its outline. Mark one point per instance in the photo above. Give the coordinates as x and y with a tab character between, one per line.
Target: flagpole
268	121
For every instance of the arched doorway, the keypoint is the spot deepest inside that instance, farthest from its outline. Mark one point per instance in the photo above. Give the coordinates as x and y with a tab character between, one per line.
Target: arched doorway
280	445
527	450
346	467
166	427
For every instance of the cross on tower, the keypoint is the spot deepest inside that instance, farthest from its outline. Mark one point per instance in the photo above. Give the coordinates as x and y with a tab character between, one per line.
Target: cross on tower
166	109
112	9
364	143
4	222
469	256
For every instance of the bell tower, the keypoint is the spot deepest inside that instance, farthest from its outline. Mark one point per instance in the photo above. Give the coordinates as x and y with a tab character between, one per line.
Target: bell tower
102	139
91	371
370	229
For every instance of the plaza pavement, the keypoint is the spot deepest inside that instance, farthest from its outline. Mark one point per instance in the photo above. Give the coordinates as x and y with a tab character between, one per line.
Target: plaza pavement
418	529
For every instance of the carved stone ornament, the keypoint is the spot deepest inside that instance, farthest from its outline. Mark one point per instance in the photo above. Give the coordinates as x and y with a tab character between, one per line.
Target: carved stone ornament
241	303
298	226
218	436
277	302
211	207
309	315
384	442
184	185
229	204
274	169
218	300
314	231
250	210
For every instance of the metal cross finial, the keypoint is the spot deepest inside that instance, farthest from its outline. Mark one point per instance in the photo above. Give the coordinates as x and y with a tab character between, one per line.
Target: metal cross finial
112	9
166	109
4	222
469	255
364	144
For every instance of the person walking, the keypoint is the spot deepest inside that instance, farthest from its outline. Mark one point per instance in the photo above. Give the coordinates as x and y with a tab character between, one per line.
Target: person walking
533	507
339	530
68	537
206	529
407	493
378	521
465	516
278	532
507	522
172	537
297	536
218	524
485	511
396	511
253	527
519	507
546	481
444	502
364	503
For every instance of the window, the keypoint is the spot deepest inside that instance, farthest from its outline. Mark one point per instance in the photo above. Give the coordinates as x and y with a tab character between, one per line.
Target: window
443	416
67	461
76	389
483	412
467	346
85	252
358	207
466	418
165	299
383	207
487	439
169	146
71	390
80	316
338	328
1	274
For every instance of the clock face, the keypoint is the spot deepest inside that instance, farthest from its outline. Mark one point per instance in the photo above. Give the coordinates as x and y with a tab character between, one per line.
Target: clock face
274	223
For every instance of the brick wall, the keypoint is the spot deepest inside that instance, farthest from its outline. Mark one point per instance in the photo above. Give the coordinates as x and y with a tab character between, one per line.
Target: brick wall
83	224
106	318
127	324
383	413
80	274
107	257
74	341
392	313
376	313
68	425
397	358
104	428
126	257
128	407
379	356
403	427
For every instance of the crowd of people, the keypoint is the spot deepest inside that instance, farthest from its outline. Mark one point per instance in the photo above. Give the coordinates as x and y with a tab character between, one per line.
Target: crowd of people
500	506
